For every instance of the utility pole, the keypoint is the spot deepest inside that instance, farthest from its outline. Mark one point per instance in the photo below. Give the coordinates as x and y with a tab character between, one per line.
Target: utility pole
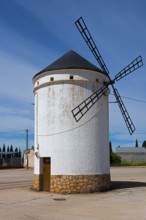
27	149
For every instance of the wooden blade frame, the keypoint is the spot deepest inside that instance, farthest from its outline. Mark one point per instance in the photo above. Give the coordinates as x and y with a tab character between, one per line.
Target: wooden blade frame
134	65
82	108
124	112
90	42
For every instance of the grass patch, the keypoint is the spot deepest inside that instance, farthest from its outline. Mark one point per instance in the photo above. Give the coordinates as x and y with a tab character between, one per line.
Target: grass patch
132	163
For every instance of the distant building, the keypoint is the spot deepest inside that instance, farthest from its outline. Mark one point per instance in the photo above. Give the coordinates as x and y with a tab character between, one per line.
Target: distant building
30	158
10	160
132	154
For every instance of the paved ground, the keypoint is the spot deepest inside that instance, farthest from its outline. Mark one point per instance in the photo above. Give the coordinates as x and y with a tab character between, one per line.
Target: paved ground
126	201
15	178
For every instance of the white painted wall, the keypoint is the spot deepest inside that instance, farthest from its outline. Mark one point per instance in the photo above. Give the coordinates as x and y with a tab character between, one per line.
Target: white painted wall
75	148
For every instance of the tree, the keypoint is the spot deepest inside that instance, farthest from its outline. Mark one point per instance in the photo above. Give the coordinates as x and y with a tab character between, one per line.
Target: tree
136	143
144	144
111	152
19	152
4	150
110	146
8	150
11	148
16	152
115	160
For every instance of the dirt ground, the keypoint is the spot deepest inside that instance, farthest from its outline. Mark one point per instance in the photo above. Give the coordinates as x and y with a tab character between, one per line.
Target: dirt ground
125	201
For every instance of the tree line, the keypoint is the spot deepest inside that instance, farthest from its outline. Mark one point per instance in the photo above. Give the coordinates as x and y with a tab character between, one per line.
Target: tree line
9	151
143	144
137	145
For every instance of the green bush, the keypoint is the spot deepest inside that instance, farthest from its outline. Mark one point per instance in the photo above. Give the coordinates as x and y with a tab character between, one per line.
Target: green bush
115	160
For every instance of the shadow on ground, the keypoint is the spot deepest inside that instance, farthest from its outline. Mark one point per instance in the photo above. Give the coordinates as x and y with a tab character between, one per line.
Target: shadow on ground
126	184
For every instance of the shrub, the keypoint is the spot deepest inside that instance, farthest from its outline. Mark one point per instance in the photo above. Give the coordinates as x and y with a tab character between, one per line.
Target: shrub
115	160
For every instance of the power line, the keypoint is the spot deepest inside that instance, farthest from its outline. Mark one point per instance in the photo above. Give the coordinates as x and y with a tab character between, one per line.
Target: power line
11	131
16	131
135	100
126	133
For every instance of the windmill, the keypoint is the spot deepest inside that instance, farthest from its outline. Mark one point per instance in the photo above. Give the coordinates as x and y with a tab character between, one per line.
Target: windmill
80	110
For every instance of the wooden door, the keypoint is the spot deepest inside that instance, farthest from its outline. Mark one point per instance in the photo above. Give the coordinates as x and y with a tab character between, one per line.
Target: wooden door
46	173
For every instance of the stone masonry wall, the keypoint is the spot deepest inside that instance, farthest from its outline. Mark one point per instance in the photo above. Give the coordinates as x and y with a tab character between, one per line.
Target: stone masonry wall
80	183
38	182
75	184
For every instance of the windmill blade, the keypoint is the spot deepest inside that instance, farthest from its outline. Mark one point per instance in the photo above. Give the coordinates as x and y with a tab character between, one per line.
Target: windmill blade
80	24
135	64
82	108
126	116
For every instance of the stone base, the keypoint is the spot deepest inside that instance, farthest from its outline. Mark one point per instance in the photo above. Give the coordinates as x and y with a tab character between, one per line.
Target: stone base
75	183
80	183
38	182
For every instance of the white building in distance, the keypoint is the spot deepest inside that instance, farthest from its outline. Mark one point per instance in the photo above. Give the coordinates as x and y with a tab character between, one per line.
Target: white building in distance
132	154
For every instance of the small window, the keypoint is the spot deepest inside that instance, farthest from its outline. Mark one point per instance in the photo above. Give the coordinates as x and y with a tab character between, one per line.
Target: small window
47	160
51	78
37	83
71	77
97	80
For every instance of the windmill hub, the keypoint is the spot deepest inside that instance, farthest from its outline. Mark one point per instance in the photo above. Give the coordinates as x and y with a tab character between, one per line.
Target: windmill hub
110	82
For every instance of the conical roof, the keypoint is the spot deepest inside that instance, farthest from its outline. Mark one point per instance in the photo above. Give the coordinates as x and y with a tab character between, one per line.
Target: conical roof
70	60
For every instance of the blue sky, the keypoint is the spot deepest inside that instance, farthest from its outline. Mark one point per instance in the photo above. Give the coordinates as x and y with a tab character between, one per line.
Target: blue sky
34	33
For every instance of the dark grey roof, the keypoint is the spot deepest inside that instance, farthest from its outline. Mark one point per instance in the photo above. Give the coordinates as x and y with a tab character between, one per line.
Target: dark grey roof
70	60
